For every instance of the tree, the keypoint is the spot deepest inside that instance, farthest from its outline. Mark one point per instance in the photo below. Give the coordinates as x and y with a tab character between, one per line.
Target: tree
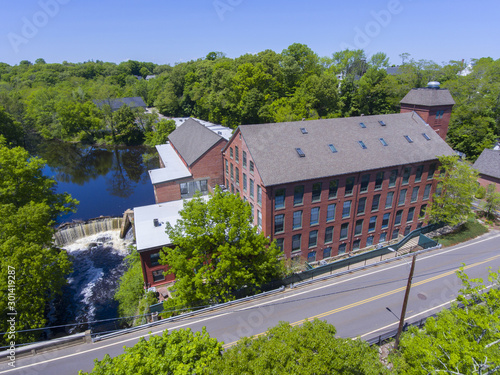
10	128
308	349
178	352
452	202
217	252
460	340
160	134
491	200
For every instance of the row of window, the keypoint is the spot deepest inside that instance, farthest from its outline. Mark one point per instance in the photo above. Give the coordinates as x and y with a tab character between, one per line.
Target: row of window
236	156
317	187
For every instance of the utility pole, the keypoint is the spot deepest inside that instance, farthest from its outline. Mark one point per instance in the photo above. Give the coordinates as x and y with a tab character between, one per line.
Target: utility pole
405	303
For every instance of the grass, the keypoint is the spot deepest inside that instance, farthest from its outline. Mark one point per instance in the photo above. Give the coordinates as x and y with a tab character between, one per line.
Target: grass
467	231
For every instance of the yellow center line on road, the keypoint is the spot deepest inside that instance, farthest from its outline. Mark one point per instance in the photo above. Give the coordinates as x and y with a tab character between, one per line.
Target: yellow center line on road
374	298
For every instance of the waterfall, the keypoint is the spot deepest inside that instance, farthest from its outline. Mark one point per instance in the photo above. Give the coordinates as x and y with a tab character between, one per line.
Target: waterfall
72	232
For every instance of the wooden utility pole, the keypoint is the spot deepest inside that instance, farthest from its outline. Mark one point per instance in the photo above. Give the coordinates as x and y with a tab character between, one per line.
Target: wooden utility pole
405	303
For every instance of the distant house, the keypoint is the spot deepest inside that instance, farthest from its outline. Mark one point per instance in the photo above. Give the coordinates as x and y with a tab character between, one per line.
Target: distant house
190	162
488	166
116	104
393	70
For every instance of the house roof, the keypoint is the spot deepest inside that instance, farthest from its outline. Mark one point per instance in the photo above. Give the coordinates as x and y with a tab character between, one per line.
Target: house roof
174	167
273	146
488	163
192	140
426	96
115	104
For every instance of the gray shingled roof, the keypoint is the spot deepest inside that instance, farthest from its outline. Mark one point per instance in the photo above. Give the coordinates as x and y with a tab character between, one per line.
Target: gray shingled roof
115	104
272	146
192	140
428	97
488	163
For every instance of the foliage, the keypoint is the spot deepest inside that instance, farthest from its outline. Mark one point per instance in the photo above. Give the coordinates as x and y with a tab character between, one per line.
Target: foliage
480	192
457	184
308	349
10	128
159	135
217	252
460	340
467	231
179	352
491	201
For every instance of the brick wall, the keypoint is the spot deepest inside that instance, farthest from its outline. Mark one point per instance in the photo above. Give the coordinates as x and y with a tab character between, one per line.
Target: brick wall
167	191
148	268
439	125
486	180
210	165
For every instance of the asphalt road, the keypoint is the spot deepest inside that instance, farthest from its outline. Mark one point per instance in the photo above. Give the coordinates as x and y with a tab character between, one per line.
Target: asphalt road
355	303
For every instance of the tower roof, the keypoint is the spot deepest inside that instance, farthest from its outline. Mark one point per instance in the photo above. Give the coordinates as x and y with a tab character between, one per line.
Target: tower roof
429	97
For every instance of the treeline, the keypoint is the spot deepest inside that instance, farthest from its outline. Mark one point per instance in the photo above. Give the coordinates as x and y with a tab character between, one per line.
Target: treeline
57	99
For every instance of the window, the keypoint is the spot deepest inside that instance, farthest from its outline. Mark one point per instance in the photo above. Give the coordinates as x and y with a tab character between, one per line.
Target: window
311	257
316	192
385	220
344	229
414	194
232	170
418	173
279	199
427	191
402	197
303	130
349	185
406	175
358	228
388	199
342	248
407	230
382	237
280	243
439	115
155	259
259	195
158	275
426	136
369	241
314	216
411	213
244	182
379	179
332	189
297	220
328	234
362	124
300	152
253	214
355	245
365	180
232	188
237	172
382	140
375	202
395	234
381	123
421	214
279	223
296	242
372	224
298	195
189	188
236	154
231	154
407	137
361	205
432	170
330	212
251	166
251	188
397	219
332	148
259	219
313	238
227	168
393	178
346	210
244	159
363	146
327	252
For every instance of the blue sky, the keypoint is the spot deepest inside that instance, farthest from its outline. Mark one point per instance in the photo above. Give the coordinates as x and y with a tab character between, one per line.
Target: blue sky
172	31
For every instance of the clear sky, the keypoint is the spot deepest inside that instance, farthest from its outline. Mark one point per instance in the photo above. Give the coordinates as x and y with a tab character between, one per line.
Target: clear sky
172	31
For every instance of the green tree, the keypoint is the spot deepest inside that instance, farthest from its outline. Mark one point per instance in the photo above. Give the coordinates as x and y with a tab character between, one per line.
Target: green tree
491	200
159	135
217	251
127	131
10	128
180	352
457	184
460	340
308	349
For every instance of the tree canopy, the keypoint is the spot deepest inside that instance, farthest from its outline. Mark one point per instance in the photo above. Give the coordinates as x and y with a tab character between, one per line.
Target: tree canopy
217	252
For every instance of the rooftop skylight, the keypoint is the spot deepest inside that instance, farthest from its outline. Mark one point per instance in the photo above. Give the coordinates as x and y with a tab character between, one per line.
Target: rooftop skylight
362	124
363	146
300	152
303	130
426	136
332	148
382	140
407	137
381	123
